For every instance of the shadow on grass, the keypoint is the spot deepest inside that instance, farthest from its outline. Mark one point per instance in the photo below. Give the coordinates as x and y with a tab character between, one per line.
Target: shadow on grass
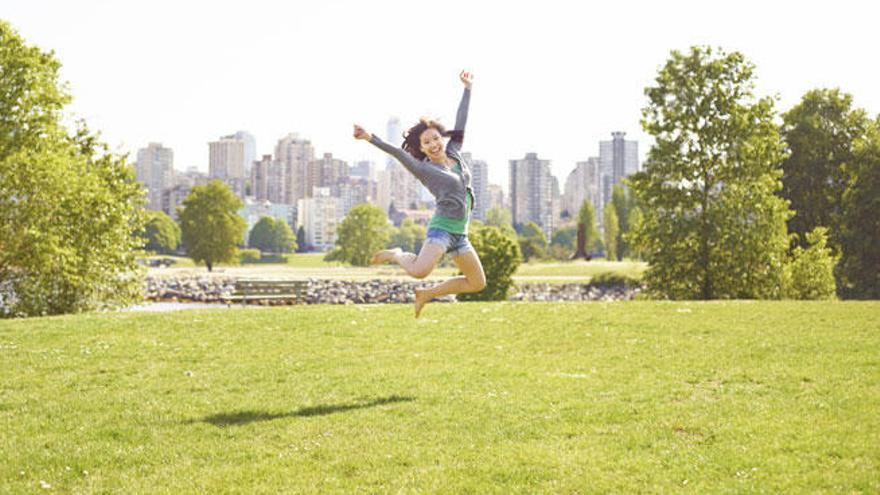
245	417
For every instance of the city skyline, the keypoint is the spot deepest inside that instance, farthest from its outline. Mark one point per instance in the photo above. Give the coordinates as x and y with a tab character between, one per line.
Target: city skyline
316	68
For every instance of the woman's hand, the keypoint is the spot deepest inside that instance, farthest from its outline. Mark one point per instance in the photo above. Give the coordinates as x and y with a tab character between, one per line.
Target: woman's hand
360	133
467	78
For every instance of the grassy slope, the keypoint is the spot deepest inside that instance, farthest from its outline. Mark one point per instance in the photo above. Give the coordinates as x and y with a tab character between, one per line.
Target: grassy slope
472	398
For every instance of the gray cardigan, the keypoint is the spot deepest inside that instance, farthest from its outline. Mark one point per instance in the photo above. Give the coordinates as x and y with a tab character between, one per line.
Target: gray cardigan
449	188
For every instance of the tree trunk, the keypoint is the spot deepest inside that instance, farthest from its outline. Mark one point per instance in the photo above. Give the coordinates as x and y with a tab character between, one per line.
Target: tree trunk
581	251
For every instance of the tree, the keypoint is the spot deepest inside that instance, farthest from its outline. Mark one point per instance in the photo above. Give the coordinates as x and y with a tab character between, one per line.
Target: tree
361	233
301	240
271	235
713	226
71	217
532	242
587	222
859	267
500	257
820	133
621	203
283	239
162	233
210	224
611	231
565	237
498	217
409	236
635	224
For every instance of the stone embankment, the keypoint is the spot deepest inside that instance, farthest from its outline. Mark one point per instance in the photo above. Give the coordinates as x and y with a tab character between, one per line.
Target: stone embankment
217	289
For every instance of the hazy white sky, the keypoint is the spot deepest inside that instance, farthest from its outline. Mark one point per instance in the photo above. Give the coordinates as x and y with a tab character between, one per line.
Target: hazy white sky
552	77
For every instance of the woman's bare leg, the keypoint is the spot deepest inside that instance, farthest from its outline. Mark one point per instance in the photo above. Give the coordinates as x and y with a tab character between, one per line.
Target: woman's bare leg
416	266
474	280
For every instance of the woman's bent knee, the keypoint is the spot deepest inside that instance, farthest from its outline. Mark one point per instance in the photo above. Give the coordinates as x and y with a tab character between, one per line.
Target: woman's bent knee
421	273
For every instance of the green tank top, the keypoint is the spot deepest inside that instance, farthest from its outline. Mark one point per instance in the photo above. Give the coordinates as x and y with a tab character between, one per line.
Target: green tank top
454	225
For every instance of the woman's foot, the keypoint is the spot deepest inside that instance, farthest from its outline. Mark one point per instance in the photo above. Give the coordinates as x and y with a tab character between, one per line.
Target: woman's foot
423	296
384	256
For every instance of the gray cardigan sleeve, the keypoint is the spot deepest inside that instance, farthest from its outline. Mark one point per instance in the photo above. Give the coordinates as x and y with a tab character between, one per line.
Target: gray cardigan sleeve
407	160
457	139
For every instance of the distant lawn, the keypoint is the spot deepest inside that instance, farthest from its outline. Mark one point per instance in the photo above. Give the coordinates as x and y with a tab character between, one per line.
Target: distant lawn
313	265
637	397
581	268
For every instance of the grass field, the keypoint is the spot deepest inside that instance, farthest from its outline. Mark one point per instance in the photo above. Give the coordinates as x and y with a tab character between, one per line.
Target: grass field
313	265
636	397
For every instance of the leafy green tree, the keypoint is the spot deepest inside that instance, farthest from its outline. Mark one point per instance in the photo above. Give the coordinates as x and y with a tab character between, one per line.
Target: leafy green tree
621	202
500	257
301	239
810	273
532	242
587	218
162	233
565	237
498	217
859	267
210	224
820	133
71	217
361	233
635	224
562	243
271	235
409	236
611	232
713	226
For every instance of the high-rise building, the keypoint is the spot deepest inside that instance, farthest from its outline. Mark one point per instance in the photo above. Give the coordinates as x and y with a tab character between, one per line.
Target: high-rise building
496	197
353	191
155	170
294	155
618	158
319	216
226	162
383	190
480	184
260	178
582	184
226	158
326	171
532	192
250	149
364	169
405	190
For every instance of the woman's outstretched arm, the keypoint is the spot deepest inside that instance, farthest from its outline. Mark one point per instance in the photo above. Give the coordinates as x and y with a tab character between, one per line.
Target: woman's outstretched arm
457	138
407	160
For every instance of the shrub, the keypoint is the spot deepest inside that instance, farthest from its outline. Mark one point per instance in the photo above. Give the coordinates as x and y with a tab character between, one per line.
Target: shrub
249	255
500	257
809	274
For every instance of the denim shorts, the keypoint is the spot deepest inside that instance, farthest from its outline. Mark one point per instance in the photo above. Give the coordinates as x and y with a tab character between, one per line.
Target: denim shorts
455	244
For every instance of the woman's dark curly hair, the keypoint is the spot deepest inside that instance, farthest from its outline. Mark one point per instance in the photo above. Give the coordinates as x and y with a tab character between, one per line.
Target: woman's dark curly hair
412	138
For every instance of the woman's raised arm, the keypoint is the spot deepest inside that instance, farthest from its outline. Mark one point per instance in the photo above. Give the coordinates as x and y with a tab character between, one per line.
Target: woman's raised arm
402	156
457	138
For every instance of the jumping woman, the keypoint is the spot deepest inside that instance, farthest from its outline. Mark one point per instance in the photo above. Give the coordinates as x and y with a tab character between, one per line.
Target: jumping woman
447	176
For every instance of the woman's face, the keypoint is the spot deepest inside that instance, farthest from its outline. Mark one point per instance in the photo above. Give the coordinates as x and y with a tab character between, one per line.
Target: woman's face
431	142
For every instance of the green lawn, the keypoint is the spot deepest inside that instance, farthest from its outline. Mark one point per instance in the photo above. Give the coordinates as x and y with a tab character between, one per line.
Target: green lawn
636	397
306	265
